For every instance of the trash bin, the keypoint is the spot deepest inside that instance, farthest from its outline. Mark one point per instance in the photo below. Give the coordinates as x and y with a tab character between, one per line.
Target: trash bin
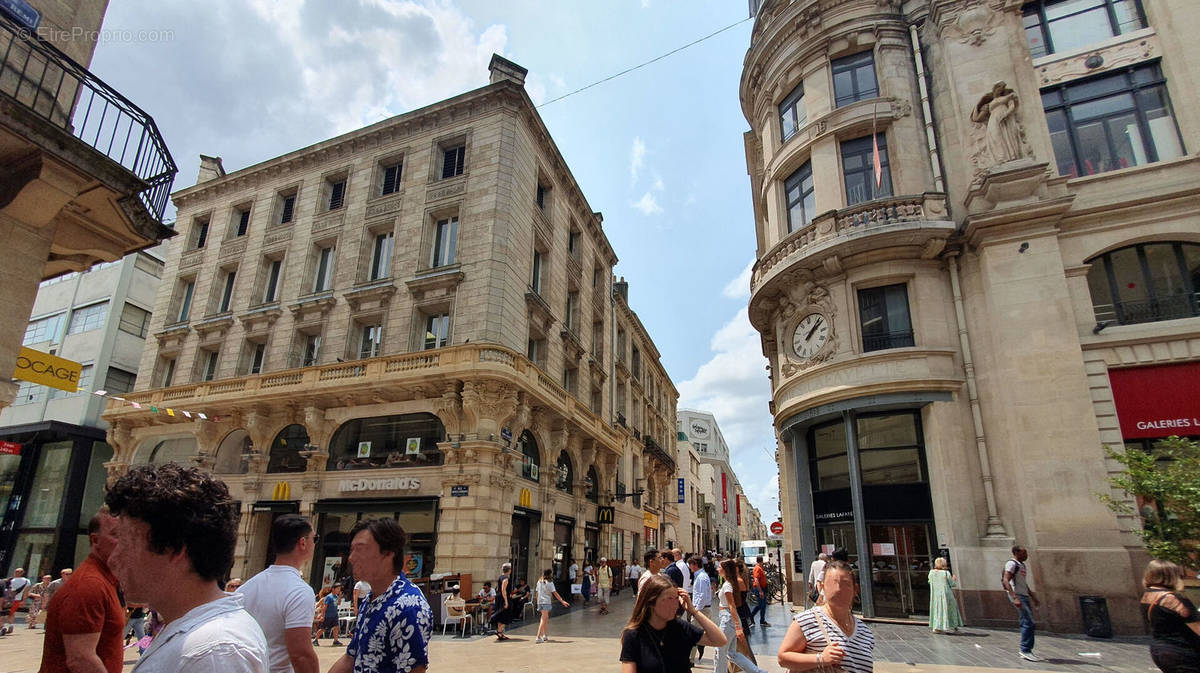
1096	623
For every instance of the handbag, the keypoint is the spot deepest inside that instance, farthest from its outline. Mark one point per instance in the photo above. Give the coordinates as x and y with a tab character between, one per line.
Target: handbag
826	668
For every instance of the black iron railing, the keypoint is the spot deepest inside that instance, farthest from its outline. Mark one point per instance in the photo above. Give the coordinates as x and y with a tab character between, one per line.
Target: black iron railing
658	452
56	88
878	342
1159	307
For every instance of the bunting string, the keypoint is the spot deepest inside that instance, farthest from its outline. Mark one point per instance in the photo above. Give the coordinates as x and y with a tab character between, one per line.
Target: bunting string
155	409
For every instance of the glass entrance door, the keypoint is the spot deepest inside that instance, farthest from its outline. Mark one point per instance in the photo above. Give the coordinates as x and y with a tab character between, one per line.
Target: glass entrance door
901	556
518	546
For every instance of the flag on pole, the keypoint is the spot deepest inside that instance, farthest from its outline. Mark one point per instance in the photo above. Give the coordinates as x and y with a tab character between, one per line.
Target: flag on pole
875	163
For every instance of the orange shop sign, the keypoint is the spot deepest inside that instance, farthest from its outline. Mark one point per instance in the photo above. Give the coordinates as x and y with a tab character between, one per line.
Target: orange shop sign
48	370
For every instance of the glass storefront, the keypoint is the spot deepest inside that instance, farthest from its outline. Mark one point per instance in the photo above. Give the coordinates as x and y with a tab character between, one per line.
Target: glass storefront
564	531
335	519
522	542
406	440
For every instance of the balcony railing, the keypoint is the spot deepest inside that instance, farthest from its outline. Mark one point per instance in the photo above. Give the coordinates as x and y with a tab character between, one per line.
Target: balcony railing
878	342
1162	307
660	454
56	88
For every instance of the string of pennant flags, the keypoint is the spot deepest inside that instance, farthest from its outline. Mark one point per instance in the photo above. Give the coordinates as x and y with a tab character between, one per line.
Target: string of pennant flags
155	409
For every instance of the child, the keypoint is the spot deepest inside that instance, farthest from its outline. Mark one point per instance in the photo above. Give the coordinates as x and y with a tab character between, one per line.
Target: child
545	591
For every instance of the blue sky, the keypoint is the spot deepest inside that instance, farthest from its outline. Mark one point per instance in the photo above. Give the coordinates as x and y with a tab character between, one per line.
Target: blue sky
659	151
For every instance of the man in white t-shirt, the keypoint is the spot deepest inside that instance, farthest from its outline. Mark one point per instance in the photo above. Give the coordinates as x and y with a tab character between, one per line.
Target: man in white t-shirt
1016	584
635	571
18	584
361	591
683	568
282	602
816	575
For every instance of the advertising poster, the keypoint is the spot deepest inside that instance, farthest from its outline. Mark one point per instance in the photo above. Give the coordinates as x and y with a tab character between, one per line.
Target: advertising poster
333	568
412	447
415	564
364	449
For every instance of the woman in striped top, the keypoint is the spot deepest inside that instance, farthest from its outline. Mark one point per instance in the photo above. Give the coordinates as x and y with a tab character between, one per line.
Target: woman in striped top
830	634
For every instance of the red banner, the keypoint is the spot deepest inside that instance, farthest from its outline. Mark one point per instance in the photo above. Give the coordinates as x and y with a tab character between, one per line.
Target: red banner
1157	401
738	502
724	497
10	448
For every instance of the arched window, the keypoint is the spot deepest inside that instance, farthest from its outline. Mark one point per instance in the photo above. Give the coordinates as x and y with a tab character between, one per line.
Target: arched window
532	460
403	440
179	449
1146	282
285	450
593	484
229	458
565	473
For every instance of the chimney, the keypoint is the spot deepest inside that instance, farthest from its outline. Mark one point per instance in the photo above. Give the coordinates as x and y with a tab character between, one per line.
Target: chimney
210	169
622	289
502	68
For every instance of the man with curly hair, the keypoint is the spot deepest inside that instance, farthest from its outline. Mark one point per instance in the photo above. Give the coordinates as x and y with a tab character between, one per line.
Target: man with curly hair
394	623
176	532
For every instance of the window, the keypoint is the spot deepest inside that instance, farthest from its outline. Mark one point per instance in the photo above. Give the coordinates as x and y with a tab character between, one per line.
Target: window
542	192
186	289
569	378
287	208
597	401
199	232
854	78
572	309
531	459
453	159
167	375
134	320
323	273
208	364
801	202
43	329
1053	26
381	257
370	338
791	113
29	393
564	474
437	331
227	291
337	193
88	318
391	178
445	241
536	281
403	440
271	292
241	218
593	482
635	363
119	380
311	350
1147	282
573	246
883	312
256	354
536	351
858	167
81	385
1113	121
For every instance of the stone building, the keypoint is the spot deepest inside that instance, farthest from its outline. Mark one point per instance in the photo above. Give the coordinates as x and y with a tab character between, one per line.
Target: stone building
416	320
723	520
978	262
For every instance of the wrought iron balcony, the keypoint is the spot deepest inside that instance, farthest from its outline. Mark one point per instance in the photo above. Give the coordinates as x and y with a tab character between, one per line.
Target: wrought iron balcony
659	453
55	88
1154	309
878	342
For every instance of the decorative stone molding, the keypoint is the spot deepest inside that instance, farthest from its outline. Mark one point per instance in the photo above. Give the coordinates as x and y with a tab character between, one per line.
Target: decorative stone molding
191	258
172	336
234	248
385	205
114	469
540	314
373	296
261	318
972	25
998	137
436	284
280	233
485	403
214	329
333	220
457	187
1123	51
312	308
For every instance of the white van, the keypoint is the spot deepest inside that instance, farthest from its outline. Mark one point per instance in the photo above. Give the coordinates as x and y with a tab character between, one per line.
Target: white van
751	550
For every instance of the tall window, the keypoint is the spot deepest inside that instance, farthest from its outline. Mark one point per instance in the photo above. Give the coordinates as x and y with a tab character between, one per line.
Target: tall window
209	371
241	219
1147	282
801	202
168	372
573	246
854	78
119	381
791	113
287	209
323	275
185	303
565	474
391	178
134	320
200	233
884	317
572	311
593	483
381	256
44	329
437	331
1063	25
88	318
274	268
536	281
445	241
1113	121
227	291
256	354
453	160
369	341
858	167
531	458
536	351
569	379
311	353
337	194
542	192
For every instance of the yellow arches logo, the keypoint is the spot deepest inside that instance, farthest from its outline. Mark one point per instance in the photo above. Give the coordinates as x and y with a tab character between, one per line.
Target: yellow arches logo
282	491
526	498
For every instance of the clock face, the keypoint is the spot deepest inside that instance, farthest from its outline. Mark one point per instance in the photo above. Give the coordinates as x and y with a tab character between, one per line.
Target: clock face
811	335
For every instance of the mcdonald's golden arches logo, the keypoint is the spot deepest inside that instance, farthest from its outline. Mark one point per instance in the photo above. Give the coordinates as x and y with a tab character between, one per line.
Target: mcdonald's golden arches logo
282	491
526	498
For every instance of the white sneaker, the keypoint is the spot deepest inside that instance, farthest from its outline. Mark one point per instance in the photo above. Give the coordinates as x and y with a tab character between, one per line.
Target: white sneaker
1030	656
540	639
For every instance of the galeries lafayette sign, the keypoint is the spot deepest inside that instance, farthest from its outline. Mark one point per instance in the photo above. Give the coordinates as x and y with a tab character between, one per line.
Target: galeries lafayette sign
1157	401
392	484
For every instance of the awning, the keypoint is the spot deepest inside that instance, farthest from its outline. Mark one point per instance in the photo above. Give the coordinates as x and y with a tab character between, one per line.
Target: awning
1157	401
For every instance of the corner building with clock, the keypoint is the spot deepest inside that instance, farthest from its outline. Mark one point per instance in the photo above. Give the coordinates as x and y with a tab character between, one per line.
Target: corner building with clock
415	320
978	265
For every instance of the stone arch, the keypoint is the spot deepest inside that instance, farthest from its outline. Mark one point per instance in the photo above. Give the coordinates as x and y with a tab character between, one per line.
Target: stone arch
284	453
564	474
179	448
228	457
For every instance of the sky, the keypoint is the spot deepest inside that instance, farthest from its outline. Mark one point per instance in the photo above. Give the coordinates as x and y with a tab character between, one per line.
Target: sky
659	151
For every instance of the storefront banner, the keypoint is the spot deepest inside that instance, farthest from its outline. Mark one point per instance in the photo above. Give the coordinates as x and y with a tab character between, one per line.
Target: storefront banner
724	497
650	520
10	449
1157	401
48	370
680	489
738	504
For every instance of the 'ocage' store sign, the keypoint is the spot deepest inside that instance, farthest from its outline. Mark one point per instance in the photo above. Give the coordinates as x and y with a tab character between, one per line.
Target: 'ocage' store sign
48	370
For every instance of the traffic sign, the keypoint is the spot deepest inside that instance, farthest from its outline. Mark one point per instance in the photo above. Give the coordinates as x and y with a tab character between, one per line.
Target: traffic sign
777	528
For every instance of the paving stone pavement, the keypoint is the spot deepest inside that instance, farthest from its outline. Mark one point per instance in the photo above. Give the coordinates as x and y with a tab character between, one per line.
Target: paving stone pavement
583	640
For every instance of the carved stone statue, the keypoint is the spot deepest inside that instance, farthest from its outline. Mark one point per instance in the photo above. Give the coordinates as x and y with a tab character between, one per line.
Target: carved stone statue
997	111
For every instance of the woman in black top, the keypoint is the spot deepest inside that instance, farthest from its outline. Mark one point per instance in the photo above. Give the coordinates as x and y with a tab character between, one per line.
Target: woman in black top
655	640
1174	622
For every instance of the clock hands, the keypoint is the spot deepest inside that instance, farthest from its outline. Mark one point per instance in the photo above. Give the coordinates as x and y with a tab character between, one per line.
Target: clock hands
813	330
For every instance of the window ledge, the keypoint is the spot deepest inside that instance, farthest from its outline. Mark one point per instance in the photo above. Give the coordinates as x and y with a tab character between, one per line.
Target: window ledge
385	204
313	306
1119	51
261	317
1122	173
191	258
214	327
435	282
374	294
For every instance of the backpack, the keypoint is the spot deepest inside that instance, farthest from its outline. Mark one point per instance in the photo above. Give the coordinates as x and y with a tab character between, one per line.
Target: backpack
7	596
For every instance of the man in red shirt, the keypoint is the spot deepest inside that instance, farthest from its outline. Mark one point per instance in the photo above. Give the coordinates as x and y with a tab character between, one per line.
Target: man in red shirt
760	589
86	620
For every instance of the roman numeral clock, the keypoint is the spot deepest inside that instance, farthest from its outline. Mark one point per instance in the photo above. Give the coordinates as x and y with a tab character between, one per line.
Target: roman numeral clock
809	335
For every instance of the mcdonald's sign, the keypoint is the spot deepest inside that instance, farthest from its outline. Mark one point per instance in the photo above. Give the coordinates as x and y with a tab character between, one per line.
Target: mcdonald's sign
282	491
605	514
525	499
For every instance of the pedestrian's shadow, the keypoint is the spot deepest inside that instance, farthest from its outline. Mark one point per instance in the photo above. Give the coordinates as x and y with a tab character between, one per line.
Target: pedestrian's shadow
555	640
1058	661
965	634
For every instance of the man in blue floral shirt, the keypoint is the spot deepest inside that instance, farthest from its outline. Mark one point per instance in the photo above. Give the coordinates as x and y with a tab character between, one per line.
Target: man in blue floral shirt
395	623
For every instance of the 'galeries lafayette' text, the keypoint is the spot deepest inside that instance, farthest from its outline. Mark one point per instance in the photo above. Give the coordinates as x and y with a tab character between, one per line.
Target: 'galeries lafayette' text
1169	423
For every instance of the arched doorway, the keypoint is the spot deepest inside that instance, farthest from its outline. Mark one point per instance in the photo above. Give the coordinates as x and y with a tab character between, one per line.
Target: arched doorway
285	450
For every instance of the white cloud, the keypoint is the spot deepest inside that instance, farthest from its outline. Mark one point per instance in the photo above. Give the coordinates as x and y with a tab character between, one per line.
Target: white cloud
739	288
648	205
637	158
658	185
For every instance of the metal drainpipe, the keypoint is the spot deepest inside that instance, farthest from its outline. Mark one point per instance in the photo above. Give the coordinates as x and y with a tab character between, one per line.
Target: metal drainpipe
995	527
930	135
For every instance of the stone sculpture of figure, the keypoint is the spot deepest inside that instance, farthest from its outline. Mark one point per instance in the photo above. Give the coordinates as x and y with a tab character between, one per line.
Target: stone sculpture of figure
998	111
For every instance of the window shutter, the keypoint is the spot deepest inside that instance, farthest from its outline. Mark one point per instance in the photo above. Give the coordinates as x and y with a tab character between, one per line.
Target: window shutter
337	194
391	179
289	204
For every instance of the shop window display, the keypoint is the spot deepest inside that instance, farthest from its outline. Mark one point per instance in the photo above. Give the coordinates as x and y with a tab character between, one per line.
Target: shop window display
406	440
